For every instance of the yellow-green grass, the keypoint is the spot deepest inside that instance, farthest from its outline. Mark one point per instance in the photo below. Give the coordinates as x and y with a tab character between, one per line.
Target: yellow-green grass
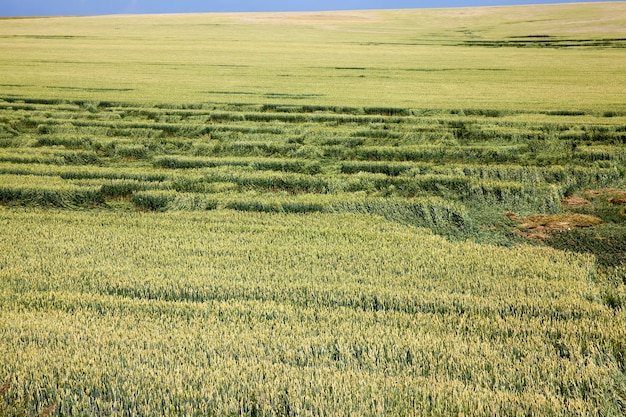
224	313
409	58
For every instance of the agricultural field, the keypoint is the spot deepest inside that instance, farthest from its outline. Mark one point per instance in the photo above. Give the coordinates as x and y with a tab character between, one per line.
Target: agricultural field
412	212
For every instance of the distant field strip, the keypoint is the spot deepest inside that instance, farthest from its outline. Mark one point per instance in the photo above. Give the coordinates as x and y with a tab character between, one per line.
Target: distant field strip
531	58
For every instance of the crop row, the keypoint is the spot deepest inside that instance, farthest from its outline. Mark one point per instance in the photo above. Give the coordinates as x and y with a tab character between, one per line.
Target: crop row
472	126
193	109
463	188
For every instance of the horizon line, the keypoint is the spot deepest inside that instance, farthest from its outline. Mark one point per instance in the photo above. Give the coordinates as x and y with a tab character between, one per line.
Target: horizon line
556	3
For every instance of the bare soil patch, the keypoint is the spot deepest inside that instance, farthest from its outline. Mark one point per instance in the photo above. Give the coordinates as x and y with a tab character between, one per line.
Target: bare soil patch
573	202
619	200
543	226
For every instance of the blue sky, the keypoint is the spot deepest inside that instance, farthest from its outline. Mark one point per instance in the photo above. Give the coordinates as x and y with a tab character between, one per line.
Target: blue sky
98	7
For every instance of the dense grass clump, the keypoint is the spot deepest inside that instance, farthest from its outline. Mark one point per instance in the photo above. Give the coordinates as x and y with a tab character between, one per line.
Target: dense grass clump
607	243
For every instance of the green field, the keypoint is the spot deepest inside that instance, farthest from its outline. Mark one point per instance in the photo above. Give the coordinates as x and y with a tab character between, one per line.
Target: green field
403	213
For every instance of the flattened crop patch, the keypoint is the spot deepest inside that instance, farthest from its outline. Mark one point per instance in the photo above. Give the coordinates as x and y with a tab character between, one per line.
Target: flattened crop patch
543	226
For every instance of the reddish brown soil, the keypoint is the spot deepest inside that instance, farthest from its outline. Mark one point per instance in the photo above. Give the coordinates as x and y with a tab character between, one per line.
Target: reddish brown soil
573	202
618	200
542	226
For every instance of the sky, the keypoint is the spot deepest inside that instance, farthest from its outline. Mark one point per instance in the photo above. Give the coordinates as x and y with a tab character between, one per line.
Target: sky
100	7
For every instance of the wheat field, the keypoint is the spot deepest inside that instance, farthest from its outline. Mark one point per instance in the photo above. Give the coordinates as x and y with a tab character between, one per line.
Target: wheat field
366	213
